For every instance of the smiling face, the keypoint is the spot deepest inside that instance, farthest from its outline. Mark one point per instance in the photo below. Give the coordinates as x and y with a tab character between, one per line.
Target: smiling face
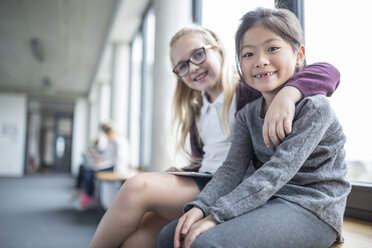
202	77
267	61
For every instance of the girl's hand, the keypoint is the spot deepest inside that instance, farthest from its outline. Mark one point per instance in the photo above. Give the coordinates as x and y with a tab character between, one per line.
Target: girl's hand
184	224
173	169
198	228
280	114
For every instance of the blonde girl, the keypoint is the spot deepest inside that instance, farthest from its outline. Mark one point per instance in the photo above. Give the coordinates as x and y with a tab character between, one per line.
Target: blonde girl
207	97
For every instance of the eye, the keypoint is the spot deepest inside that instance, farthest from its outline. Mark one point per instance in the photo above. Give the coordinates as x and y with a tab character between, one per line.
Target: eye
272	49
197	55
247	55
182	67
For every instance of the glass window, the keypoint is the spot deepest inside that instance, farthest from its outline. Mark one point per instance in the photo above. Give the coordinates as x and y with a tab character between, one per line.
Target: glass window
223	17
337	32
147	83
135	99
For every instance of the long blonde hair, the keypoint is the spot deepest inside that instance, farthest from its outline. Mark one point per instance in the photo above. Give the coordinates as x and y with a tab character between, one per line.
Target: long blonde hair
188	102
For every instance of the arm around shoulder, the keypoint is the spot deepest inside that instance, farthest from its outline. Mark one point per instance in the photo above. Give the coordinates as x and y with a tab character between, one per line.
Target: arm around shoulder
318	78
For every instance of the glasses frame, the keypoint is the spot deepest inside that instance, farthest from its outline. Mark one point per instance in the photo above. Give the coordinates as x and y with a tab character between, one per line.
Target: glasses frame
205	47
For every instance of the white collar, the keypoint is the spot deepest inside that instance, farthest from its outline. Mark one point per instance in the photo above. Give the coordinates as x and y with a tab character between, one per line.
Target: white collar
207	104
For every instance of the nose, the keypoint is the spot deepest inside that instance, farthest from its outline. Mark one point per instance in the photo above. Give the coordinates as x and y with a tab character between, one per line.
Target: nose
262	60
193	67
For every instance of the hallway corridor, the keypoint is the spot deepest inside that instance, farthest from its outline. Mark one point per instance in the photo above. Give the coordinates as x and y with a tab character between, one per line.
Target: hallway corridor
36	211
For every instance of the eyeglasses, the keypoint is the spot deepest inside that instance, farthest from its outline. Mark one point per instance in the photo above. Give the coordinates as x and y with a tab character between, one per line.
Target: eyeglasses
198	57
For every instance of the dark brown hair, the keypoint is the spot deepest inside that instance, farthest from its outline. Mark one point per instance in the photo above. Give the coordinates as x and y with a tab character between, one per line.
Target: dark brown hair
280	21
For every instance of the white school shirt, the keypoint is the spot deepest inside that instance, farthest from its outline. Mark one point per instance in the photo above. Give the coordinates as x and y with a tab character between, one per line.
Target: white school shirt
213	137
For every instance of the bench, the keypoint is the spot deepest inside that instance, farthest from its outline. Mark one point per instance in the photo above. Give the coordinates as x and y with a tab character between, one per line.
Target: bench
357	234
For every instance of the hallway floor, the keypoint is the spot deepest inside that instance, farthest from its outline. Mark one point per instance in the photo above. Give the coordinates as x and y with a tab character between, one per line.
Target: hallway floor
37	211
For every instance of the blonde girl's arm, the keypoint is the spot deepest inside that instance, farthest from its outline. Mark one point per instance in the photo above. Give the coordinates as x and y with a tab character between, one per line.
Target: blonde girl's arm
317	78
280	114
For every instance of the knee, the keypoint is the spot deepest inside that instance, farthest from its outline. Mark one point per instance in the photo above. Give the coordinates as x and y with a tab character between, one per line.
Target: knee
201	242
208	240
135	187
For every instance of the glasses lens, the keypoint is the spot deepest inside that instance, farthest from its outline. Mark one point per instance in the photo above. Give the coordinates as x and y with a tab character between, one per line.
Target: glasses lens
198	57
181	69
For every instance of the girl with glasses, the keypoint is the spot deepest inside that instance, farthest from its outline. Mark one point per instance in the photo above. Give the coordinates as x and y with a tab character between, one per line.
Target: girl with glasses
207	97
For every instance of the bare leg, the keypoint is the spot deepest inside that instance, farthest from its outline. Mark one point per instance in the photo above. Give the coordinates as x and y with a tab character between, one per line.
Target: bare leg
147	233
162	194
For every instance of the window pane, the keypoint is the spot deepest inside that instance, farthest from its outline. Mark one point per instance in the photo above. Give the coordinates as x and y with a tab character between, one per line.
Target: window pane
135	98
223	16
341	37
147	91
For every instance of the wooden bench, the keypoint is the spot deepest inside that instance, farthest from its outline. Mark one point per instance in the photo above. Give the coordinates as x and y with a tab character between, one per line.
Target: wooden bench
113	176
357	234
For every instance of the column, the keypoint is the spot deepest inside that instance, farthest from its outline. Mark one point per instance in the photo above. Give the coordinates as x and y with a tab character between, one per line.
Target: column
170	17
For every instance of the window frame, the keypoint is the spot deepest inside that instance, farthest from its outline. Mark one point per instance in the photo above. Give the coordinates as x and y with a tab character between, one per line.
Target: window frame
359	201
197	11
296	6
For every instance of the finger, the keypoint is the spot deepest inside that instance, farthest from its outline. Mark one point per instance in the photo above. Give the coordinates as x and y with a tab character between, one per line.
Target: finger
177	234
265	133
190	237
280	132
272	133
288	126
198	228
186	225
171	169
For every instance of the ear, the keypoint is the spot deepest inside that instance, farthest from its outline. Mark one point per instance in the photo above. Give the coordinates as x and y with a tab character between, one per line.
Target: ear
300	56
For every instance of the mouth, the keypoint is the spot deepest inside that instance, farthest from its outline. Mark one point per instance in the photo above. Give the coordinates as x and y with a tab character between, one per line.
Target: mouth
201	76
266	74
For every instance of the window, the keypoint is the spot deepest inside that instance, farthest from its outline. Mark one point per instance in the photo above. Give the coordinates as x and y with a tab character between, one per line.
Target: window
148	33
135	99
338	37
342	38
223	17
141	81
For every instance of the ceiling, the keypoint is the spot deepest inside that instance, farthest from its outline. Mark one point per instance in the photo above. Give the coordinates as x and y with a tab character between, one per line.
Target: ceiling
69	39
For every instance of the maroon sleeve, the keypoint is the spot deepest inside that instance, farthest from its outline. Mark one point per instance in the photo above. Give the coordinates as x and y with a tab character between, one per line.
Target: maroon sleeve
196	150
317	78
245	94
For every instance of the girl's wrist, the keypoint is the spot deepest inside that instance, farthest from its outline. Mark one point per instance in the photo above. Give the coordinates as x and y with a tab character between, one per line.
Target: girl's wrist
292	93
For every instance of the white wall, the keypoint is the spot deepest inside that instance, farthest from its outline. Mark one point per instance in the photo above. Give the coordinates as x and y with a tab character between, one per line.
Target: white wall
13	112
79	135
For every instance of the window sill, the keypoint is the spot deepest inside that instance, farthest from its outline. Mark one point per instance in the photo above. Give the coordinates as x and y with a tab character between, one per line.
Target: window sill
359	202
